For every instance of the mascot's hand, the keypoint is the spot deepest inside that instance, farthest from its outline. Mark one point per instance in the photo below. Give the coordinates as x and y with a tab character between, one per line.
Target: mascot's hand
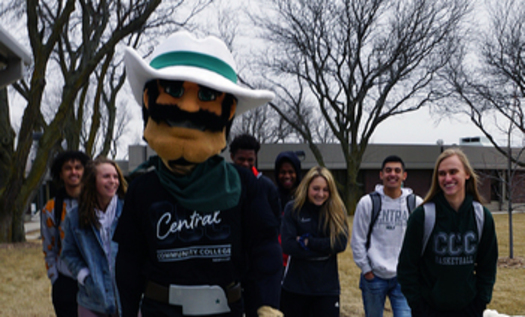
267	311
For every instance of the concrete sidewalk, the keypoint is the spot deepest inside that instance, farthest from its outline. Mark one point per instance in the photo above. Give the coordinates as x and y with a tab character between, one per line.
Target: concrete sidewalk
32	228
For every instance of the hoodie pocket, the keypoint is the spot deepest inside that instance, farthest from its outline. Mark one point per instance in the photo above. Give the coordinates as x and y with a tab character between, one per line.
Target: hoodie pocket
452	293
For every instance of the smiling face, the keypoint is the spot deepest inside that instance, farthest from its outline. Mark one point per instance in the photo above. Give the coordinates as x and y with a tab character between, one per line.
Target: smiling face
287	176
107	183
318	191
393	176
452	178
186	121
71	174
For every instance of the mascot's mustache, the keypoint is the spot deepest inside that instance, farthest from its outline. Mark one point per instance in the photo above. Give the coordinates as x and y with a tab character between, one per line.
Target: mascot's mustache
175	117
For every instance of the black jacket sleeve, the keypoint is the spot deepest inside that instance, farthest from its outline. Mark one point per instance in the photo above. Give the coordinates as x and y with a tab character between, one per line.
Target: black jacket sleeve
408	267
487	259
264	254
131	255
323	244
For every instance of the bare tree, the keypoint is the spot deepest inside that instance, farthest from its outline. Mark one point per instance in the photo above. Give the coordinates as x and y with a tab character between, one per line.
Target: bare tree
509	181
513	182
264	124
492	90
73	44
358	62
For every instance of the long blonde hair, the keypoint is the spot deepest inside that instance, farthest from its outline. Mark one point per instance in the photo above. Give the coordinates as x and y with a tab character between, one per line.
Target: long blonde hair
470	184
333	211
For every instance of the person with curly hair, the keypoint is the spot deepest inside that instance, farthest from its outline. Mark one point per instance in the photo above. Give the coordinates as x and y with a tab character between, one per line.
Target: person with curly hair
66	170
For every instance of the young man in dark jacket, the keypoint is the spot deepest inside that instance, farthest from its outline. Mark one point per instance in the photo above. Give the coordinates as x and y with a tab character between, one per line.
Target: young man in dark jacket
243	152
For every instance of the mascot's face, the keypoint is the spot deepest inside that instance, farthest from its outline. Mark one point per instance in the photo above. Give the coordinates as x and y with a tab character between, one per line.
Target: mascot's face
186	122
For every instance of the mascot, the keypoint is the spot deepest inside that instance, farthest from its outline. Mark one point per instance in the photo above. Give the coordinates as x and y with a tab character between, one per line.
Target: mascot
194	225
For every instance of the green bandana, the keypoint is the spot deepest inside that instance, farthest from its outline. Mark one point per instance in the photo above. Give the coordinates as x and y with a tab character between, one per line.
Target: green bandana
212	185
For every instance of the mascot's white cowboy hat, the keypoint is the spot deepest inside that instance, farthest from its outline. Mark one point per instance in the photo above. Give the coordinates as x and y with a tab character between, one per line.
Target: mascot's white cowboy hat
207	62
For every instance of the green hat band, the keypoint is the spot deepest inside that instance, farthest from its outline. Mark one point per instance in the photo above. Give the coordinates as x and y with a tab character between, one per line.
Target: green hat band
194	59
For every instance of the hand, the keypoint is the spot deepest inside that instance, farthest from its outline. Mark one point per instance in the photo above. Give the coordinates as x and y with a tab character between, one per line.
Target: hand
267	311
369	275
303	241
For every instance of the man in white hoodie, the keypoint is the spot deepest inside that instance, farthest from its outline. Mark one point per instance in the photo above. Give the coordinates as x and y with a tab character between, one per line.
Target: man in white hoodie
377	236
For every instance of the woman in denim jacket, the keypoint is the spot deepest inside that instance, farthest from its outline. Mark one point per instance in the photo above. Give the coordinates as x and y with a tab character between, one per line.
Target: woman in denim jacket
88	249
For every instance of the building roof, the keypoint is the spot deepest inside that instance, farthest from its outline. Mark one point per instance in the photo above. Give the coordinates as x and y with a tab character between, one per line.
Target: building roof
12	59
415	156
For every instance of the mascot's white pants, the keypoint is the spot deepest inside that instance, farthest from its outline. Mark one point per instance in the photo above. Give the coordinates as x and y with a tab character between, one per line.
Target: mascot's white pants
493	313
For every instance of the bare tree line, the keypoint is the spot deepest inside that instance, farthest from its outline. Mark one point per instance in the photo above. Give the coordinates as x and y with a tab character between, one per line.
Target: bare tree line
339	69
74	46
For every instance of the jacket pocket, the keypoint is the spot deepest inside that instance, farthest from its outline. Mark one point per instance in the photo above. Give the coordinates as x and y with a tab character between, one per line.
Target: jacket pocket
93	291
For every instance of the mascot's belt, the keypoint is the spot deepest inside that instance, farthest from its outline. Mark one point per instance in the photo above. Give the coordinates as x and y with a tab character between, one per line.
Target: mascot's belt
195	299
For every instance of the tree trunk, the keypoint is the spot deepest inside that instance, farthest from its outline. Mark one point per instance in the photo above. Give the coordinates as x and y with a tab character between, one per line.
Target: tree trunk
9	230
352	192
7	136
6	221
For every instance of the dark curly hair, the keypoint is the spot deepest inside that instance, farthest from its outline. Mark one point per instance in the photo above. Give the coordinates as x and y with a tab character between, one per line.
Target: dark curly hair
244	142
62	158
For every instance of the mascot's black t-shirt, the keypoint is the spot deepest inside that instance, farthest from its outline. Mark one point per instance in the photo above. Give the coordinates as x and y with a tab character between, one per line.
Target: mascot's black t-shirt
161	241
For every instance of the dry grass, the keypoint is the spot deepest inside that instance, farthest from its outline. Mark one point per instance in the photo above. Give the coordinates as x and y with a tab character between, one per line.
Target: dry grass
25	289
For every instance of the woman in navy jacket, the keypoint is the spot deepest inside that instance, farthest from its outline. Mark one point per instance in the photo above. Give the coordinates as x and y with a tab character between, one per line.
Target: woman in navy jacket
88	249
314	230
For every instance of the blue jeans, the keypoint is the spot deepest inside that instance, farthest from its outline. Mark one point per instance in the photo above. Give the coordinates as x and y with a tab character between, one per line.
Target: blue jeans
374	295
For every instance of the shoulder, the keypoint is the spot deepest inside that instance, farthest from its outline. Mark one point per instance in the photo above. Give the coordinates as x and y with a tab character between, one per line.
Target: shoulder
267	181
267	185
120	203
365	203
419	200
418	215
420	210
244	173
146	180
288	208
249	183
50	205
488	214
72	217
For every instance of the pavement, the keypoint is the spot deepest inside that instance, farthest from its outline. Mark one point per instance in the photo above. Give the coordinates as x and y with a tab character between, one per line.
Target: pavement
32	228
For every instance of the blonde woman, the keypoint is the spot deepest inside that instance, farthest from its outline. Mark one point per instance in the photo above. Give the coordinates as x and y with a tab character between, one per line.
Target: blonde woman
455	273
314	230
89	250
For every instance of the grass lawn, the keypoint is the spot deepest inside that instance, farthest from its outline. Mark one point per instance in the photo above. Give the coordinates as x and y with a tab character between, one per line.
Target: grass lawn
25	289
